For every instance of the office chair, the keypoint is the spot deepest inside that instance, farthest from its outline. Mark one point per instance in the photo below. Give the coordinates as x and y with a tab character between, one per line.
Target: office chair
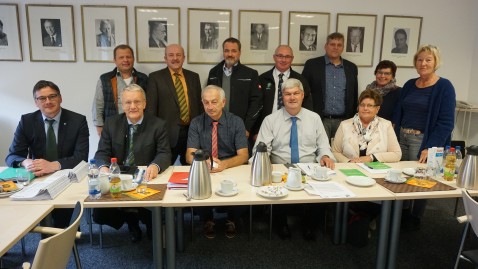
471	218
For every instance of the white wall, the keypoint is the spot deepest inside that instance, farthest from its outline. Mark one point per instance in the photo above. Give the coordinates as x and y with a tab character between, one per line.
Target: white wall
448	24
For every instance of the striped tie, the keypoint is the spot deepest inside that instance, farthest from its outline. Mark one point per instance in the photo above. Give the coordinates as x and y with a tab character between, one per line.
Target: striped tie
214	140
183	106
130	159
280	101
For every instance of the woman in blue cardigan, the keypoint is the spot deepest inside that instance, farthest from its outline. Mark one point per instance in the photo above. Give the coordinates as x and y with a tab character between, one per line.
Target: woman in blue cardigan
425	115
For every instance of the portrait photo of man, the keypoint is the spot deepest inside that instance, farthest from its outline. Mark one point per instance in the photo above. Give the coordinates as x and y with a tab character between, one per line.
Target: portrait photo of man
3	36
355	39
51	32
259	36
308	38
400	38
208	33
106	36
158	34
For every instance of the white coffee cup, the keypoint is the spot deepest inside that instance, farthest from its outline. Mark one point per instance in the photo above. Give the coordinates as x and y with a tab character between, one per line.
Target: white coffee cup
227	186
294	178
126	183
277	176
394	174
320	172
104	183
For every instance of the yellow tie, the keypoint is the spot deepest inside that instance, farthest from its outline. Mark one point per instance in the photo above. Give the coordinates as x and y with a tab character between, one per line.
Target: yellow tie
183	106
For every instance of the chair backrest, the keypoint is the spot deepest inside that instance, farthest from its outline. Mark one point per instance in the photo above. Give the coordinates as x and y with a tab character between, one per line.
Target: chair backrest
471	209
54	252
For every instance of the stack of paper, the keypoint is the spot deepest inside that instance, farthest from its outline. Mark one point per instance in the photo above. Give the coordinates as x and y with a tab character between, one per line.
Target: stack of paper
78	173
178	181
45	190
328	190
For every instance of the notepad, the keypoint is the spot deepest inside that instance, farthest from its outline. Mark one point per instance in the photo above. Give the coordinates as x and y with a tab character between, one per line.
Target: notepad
377	165
352	172
11	173
178	180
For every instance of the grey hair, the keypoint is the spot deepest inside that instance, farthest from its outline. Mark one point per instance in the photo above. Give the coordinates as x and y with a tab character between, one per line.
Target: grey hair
135	88
292	83
222	94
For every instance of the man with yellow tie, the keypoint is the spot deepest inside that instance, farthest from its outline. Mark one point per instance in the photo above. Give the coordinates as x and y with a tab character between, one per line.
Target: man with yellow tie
174	95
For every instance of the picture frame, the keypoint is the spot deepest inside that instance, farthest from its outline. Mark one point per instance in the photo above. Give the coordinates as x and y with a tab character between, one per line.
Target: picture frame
308	33
103	28
207	29
400	39
51	33
156	27
359	37
255	49
10	39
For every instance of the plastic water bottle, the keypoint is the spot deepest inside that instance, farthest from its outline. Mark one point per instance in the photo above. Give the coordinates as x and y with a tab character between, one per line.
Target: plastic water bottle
94	187
459	158
115	180
449	169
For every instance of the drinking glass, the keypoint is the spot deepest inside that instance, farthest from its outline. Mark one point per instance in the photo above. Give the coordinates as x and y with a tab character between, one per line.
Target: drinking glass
22	177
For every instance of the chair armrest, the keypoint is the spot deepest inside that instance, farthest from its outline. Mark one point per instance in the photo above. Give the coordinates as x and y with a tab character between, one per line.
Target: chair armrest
51	230
463	219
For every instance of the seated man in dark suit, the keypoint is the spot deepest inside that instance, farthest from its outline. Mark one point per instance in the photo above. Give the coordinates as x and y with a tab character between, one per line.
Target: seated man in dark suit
49	139
135	139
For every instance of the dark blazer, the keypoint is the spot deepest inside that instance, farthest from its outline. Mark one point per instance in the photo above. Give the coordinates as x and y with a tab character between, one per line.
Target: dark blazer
153	44
162	100
150	142
47	41
350	49
257	44
389	104
29	140
314	72
302	47
246	97
266	80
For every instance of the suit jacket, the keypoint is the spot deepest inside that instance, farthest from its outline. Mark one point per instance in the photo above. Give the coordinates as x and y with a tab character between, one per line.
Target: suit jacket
384	144
209	44
47	41
162	100
302	47
257	44
246	97
102	41
29	140
153	44
314	72
150	142
267	83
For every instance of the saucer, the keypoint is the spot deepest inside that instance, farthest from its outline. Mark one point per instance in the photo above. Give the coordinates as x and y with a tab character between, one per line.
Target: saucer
400	180
232	193
360	181
321	179
409	171
302	186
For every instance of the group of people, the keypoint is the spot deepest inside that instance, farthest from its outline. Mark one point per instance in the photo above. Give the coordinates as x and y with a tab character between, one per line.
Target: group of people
154	120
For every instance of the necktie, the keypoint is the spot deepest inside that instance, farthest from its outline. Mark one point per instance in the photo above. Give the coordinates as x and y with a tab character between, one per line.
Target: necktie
355	48
130	159
259	37
280	102
214	140
52	41
183	106
51	148
294	141
310	48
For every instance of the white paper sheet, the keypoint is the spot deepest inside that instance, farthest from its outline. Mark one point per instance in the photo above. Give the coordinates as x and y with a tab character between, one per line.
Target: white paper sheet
328	190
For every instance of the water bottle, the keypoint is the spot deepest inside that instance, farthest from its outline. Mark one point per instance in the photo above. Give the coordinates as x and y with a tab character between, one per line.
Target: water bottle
459	158
115	180
94	186
449	169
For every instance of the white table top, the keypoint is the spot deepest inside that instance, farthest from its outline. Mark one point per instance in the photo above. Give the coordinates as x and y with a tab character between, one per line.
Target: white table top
17	221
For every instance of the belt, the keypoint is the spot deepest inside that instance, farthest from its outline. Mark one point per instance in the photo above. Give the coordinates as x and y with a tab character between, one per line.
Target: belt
333	117
410	131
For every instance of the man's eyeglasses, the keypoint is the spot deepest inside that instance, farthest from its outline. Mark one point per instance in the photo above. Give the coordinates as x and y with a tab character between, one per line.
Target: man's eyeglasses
367	105
383	73
129	103
51	97
287	57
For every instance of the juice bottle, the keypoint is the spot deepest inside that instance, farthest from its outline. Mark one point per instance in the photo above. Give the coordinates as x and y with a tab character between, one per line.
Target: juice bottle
115	181
449	169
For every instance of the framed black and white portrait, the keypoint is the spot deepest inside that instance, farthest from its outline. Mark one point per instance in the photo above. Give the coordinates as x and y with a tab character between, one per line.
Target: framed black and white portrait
51	33
10	40
207	29
400	39
104	28
155	28
308	33
359	33
259	32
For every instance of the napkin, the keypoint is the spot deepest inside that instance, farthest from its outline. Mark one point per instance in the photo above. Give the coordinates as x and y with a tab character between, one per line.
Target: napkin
421	183
134	194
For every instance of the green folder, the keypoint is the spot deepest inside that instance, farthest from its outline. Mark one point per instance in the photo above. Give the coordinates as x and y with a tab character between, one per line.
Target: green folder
352	172
377	165
11	173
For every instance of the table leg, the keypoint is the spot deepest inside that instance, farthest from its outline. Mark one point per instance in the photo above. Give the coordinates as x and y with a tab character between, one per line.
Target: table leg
270	222
157	237
394	233
345	214
170	239
180	225
338	221
383	234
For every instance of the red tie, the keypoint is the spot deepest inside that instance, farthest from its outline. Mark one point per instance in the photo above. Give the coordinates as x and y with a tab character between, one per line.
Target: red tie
214	139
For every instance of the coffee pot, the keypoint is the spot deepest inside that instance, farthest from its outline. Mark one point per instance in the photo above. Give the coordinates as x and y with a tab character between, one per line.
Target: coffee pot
468	172
199	180
261	171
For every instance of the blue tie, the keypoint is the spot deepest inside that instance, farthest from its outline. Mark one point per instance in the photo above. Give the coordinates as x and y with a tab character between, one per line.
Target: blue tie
294	141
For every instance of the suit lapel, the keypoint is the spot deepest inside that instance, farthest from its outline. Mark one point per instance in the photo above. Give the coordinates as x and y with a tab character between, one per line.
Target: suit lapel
40	126
62	130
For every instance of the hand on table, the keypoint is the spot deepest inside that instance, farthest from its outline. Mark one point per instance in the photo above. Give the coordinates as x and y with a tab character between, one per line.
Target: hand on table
218	165
151	172
40	167
327	162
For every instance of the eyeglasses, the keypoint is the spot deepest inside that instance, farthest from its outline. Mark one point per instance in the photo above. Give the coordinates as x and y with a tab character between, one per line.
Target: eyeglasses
367	105
51	97
287	57
383	73
135	102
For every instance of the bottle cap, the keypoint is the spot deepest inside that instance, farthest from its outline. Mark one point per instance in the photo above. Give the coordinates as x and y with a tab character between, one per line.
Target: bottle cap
452	149
92	161
458	148
114	160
